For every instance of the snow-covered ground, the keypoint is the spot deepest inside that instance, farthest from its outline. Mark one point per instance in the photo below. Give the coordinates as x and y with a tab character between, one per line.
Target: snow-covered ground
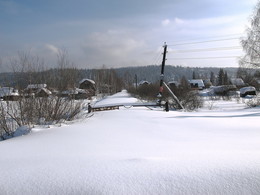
139	151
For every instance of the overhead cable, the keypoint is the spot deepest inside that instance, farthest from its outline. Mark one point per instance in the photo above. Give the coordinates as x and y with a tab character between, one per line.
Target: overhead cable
202	58
198	42
206	49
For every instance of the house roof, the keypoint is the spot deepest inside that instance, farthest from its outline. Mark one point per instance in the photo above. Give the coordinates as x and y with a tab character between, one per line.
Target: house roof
36	86
197	81
89	80
247	89
143	82
8	91
45	90
74	91
173	82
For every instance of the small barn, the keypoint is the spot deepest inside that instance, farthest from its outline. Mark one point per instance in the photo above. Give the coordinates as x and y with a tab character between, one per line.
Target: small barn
9	94
196	84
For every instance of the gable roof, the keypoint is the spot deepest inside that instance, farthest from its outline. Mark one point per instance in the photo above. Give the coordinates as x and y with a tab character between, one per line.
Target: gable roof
89	80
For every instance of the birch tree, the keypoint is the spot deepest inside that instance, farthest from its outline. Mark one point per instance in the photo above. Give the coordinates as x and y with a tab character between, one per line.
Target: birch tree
251	43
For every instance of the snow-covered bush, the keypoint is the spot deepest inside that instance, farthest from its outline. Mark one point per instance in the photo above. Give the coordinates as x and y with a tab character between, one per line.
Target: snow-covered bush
31	111
191	100
6	124
254	102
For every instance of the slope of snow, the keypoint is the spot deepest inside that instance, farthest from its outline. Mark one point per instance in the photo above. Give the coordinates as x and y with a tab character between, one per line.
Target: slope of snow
139	151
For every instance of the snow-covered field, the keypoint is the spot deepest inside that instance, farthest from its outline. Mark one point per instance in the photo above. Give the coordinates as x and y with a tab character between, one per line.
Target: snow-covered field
139	151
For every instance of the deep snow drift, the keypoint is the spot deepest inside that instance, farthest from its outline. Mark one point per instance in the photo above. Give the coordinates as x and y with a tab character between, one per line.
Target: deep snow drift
139	151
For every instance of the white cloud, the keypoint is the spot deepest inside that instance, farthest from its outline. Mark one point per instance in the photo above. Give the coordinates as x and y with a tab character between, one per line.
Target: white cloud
179	21
114	47
166	22
52	48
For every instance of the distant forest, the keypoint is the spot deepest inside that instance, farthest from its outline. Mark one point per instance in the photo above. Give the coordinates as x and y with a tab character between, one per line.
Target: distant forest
128	74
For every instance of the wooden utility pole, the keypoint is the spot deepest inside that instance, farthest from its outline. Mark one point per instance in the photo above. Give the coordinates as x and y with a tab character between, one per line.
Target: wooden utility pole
162	74
163	83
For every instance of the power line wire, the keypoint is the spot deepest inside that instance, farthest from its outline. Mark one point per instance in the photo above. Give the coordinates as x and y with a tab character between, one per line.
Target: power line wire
211	37
207	49
198	42
202	58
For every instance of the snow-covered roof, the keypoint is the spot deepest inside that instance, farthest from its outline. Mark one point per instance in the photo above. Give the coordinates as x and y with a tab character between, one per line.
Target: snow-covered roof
45	90
8	91
74	91
197	81
143	82
222	88
247	89
173	82
237	81
36	86
89	80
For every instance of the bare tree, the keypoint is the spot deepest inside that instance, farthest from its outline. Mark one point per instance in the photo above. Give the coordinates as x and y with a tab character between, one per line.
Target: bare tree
67	73
251	43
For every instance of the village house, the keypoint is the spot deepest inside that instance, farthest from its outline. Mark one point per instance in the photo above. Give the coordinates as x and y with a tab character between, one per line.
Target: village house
76	93
88	86
9	94
196	84
37	90
247	91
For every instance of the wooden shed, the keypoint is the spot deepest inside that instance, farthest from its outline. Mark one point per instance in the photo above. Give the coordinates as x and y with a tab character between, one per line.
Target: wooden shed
89	85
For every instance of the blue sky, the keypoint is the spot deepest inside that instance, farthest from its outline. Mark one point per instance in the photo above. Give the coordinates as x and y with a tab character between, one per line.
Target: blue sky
120	33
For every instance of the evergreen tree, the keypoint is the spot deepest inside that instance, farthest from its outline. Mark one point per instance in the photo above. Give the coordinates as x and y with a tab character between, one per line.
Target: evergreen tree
226	79
194	75
221	76
212	78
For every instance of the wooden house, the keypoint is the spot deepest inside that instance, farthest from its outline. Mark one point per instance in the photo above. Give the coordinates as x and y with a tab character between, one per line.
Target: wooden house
89	86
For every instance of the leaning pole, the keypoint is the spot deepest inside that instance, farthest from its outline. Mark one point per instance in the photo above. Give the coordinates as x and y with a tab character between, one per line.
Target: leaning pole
163	83
162	74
